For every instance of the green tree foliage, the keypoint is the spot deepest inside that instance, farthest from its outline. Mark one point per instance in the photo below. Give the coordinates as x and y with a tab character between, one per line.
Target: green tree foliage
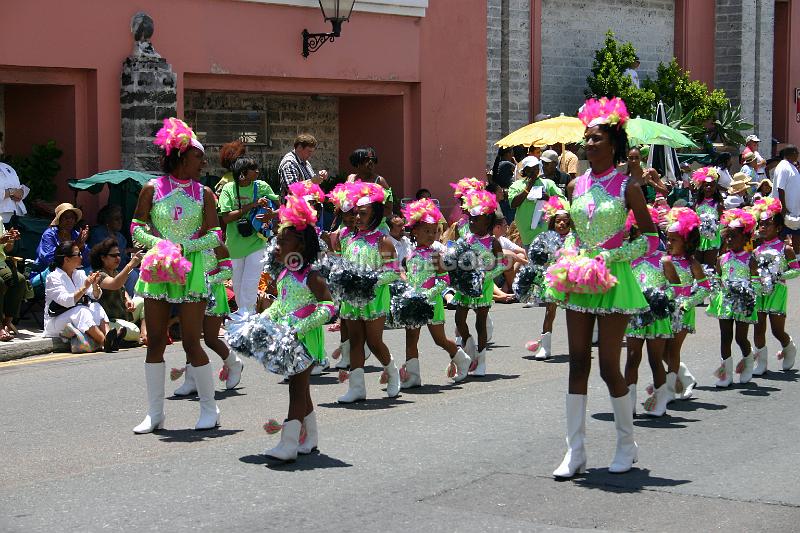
38	170
673	85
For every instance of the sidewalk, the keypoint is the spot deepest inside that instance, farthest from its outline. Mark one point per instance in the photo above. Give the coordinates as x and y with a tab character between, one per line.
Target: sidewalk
30	342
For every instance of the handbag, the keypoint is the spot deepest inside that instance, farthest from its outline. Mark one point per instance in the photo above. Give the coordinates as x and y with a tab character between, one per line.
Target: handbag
55	308
243	225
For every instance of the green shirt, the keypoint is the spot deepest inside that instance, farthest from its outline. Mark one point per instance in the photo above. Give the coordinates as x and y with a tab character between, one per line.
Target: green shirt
525	211
239	246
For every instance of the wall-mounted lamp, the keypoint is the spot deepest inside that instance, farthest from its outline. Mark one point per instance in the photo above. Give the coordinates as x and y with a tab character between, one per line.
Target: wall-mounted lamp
337	11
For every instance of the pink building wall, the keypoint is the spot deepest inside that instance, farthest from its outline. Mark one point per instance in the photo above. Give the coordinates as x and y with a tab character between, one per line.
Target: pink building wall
695	21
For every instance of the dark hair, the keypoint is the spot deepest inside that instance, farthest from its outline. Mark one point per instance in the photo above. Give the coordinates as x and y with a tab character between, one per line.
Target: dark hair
619	141
551	224
723	160
421	194
242	165
789	149
105	213
229	153
99	250
63	250
498	158
778	220
305	140
717	196
692	242
498	221
362	155
377	215
310	240
493	188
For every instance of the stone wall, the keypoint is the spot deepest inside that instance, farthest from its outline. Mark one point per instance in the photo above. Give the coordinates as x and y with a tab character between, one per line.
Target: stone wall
2	112
508	69
573	29
287	115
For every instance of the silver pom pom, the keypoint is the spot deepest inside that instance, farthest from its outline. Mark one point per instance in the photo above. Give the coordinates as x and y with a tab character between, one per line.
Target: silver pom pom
708	225
770	267
273	345
740	296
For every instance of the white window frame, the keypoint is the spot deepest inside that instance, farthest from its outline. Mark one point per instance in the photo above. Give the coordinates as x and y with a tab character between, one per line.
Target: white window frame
408	8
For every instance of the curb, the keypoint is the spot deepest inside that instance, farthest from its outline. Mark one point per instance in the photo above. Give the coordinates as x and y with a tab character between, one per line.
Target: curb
28	348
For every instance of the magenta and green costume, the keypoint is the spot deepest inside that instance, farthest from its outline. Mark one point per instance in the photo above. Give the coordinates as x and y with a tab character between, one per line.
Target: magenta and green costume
297	307
482	247
733	266
221	272
177	216
709	206
687	293
363	249
422	276
774	303
650	274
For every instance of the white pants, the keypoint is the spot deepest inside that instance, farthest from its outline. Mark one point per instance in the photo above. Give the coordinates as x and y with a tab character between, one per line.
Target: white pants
246	274
81	316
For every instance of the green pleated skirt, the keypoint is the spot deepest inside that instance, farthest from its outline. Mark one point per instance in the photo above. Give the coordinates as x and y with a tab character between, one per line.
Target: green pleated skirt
774	303
625	297
194	290
377	307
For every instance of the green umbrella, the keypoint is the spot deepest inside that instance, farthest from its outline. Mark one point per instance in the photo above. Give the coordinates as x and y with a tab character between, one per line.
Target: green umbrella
643	131
95	183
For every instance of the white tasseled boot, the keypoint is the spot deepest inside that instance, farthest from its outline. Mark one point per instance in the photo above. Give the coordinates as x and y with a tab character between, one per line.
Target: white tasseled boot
489	328
788	354
761	357
745	369
462	362
413	378
632	394
188	387
471	347
687	380
154	378
575	459
544	347
393	385
656	405
209	412
479	364
344	358
317	369
356	391
627	450
725	373
286	450
672	380
312	434
235	367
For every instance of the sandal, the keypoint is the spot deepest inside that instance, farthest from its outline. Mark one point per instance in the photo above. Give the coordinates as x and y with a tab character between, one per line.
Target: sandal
5	336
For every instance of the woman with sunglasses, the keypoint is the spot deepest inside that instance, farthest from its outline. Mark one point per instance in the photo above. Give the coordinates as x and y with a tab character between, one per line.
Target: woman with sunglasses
364	161
105	258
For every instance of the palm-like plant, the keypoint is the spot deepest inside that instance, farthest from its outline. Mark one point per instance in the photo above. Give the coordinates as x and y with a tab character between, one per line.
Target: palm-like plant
729	125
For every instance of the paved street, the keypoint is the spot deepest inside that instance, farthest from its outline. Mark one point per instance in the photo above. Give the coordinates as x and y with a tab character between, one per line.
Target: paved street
473	457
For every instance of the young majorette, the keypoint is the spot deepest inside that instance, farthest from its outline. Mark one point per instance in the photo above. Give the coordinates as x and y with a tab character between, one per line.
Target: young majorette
303	303
481	206
460	189
776	263
709	208
556	212
343	199
370	248
690	287
649	273
424	272
738	283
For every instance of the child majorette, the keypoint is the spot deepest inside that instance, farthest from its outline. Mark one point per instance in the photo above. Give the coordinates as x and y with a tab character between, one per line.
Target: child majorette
343	199
303	303
481	206
690	287
655	331
556	212
709	208
369	247
776	263
734	301
424	272
460	189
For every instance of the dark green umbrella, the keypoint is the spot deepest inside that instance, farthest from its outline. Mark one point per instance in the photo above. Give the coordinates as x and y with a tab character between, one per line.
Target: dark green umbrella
95	183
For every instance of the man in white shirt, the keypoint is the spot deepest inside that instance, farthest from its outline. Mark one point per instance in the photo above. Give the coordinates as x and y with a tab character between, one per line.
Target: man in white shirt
787	190
632	73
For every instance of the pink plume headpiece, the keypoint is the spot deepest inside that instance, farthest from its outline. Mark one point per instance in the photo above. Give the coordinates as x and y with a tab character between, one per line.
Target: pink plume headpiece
479	202
296	212
604	111
738	218
175	134
464	185
766	208
705	174
309	190
555	205
368	193
423	210
682	220
631	220
343	197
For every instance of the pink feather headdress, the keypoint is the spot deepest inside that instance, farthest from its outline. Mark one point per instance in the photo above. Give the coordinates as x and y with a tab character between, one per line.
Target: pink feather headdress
343	197
368	193
555	205
682	220
175	134
464	185
703	175
738	218
631	220
479	202
604	111
423	210
766	208
296	212
309	190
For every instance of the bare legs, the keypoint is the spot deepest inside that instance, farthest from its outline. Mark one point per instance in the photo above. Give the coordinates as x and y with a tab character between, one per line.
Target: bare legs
371	333
439	337
211	327
612	329
300	405
481	314
778	326
156	316
549	318
726	334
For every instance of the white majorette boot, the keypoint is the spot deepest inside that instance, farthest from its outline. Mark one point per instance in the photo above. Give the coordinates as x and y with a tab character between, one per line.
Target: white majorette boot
154	378
632	394
656	404
788	354
745	369
356	391
575	459
317	369
344	358
393	384
235	367
209	412
543	352
413	379
462	362
687	380
672	381
489	328
312	434
627	450
724	373
760	356
286	450
471	347
479	364
188	387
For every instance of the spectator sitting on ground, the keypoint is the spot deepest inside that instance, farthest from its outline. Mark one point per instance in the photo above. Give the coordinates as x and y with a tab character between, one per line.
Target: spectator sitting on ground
422	193
515	255
62	229
122	310
109	224
12	285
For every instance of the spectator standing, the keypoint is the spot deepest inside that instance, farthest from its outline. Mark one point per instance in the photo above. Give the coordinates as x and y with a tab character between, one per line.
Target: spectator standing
632	72
751	147
551	171
527	196
228	155
364	161
648	179
724	164
503	175
787	190
568	161
749	165
295	166
236	203
13	193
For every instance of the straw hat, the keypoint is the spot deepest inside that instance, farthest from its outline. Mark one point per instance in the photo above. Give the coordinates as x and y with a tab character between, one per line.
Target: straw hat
758	184
63	208
739	183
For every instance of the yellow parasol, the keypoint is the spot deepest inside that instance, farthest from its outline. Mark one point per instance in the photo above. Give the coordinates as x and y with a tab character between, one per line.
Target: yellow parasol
556	130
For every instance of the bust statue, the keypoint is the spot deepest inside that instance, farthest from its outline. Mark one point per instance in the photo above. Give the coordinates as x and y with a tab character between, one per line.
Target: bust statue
142	28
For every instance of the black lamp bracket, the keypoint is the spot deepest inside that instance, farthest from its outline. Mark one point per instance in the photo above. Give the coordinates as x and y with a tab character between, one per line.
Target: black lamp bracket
314	41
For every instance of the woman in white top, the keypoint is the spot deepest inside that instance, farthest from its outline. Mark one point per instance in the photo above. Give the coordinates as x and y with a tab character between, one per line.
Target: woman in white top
66	290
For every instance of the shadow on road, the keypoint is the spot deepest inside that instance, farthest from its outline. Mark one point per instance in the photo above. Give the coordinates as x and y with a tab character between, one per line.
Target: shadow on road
789	376
564	358
667	421
488	378
314	461
190	435
432	389
636	480
694	405
218	395
370	404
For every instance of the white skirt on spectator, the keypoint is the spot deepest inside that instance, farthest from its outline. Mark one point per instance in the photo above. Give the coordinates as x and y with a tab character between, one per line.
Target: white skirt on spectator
82	317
